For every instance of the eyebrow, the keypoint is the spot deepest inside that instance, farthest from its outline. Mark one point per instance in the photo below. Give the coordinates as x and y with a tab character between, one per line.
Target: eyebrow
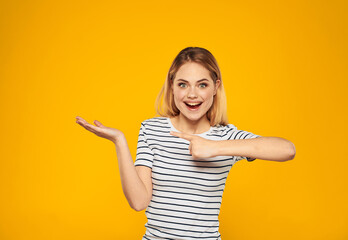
203	79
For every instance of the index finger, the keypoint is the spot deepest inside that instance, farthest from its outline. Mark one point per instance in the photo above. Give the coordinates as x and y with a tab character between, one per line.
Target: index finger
182	135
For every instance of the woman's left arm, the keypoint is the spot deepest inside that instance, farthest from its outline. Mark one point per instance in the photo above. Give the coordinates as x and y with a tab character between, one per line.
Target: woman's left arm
266	148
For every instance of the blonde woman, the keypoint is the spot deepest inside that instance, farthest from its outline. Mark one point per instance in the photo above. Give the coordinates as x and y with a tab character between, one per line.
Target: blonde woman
186	152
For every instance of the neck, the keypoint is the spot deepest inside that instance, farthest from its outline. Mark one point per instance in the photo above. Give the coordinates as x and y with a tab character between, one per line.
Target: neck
186	125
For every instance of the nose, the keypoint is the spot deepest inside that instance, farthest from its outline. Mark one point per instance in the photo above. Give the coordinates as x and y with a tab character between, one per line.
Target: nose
192	92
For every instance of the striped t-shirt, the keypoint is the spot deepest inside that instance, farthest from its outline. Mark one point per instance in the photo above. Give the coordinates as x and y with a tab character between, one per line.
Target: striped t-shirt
187	193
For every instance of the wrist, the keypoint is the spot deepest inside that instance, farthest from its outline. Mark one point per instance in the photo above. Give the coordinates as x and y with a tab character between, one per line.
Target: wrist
226	148
119	139
217	146
237	147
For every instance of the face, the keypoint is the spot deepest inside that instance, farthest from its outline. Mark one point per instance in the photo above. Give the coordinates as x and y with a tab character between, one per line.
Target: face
188	87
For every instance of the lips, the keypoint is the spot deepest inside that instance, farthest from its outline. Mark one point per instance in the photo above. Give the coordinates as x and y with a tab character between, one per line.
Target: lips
193	107
192	104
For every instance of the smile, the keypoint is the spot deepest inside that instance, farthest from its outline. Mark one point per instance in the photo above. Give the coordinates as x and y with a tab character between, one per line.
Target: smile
193	106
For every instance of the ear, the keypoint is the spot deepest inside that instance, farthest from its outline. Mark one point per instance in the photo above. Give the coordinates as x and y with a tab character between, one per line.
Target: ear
217	85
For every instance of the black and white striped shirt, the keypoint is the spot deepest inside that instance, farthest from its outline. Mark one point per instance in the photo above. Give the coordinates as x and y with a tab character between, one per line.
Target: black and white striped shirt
187	193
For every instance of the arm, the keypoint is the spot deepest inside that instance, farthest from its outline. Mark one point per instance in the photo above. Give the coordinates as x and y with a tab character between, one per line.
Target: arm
267	148
136	181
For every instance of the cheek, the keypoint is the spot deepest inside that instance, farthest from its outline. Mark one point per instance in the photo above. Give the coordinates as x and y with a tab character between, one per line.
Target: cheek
178	94
208	95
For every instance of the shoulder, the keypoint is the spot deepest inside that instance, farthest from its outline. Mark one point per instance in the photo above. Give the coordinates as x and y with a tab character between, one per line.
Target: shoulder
224	128
155	124
154	121
222	132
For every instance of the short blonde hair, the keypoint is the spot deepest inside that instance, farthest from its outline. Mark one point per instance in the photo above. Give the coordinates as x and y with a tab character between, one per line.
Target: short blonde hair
165	105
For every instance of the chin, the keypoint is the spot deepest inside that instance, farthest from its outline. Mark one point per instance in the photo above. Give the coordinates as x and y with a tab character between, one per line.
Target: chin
193	116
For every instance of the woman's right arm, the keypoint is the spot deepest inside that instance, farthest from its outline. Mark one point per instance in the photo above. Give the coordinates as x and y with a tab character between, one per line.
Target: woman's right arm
136	180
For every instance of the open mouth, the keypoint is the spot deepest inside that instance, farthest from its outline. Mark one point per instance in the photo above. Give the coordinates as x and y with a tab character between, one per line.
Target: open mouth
193	106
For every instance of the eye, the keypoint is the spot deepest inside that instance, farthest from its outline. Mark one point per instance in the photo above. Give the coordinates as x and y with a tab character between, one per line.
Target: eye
204	84
181	84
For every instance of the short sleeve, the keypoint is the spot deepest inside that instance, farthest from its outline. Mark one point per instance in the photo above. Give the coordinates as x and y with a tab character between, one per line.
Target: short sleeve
144	156
232	133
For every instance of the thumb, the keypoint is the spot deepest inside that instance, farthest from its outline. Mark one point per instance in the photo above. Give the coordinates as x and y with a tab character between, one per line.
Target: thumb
97	123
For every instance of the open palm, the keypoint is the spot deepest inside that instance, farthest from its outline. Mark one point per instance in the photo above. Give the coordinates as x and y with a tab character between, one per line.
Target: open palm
100	130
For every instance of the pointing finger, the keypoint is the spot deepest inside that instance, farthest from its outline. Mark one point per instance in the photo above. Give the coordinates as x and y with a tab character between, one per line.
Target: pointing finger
182	135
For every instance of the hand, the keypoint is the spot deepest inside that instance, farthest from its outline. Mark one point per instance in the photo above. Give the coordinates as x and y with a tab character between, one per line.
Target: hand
199	147
100	130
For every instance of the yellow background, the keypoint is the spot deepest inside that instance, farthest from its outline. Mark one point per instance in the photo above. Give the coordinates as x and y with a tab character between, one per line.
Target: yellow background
284	67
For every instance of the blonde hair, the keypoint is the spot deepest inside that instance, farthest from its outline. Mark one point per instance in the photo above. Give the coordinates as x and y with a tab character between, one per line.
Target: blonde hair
165	106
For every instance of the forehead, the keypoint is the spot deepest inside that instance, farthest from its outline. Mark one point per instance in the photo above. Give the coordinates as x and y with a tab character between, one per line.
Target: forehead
192	72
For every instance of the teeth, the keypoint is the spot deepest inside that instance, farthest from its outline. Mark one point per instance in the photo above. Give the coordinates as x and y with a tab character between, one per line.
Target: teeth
193	104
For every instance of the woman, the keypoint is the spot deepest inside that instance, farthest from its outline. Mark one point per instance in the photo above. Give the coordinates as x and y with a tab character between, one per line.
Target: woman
184	155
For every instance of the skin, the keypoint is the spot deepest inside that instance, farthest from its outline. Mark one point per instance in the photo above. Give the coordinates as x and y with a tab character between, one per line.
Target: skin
193	122
100	130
